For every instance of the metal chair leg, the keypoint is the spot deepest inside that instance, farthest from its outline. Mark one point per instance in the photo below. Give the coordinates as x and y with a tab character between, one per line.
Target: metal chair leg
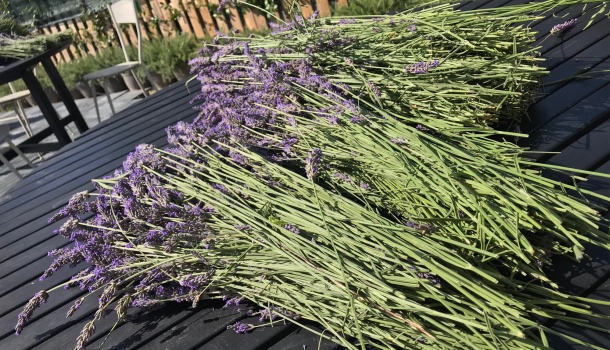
138	81
106	84
23	118
18	151
97	110
10	166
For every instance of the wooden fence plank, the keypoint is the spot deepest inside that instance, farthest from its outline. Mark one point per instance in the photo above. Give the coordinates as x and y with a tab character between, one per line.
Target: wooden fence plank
222	24
193	17
182	21
71	52
146	25
208	20
131	33
58	57
323	8
167	29
306	8
235	19
86	37
78	48
261	19
250	20
100	44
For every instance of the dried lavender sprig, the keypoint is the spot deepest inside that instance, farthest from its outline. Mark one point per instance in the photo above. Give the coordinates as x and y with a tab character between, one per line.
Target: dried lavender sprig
563	26
35	302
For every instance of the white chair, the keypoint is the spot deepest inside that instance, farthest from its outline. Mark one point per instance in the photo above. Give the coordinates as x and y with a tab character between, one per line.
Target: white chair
6	137
15	99
123	11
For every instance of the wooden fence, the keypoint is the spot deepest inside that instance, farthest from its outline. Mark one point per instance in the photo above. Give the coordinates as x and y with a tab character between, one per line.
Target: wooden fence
166	18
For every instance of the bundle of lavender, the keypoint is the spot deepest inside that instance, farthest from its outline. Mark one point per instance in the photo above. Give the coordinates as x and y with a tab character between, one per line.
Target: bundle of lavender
318	164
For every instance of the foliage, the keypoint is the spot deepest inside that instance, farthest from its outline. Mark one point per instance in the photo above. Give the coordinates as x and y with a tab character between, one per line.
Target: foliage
167	55
378	7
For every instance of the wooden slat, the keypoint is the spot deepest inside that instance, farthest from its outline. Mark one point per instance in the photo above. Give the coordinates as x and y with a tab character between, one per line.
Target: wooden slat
100	44
304	339
261	20
235	19
566	97
146	25
71	49
221	23
210	25
323	8
106	130
601	339
167	29
58	56
131	33
306	8
61	192
182	19
193	17
566	128
250	20
79	49
197	329
84	36
259	339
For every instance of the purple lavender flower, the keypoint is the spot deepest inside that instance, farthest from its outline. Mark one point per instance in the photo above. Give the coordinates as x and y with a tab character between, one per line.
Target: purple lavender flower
412	27
241	328
233	301
348	21
373	88
292	229
365	186
313	162
421	67
343	177
34	303
563	26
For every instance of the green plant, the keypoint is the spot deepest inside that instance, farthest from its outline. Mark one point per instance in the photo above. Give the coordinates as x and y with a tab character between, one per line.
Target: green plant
378	7
166	56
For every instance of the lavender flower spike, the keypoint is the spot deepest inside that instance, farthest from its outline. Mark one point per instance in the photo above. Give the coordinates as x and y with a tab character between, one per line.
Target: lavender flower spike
34	303
421	67
559	27
312	163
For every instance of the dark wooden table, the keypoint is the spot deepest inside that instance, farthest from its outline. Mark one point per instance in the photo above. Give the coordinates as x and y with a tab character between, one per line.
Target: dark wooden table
23	69
572	117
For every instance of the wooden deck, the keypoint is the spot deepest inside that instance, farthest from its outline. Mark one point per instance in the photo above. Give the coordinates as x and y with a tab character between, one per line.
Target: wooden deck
572	116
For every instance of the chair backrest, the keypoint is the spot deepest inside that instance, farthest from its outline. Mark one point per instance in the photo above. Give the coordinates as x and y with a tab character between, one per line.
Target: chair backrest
125	11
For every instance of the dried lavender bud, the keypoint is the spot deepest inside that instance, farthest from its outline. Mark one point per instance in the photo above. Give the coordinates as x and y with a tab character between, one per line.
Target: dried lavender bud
373	88
292	229
241	328
85	335
312	163
74	307
107	294
560	27
34	303
421	67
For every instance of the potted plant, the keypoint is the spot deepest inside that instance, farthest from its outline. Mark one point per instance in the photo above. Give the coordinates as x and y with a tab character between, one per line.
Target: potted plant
155	55
183	48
